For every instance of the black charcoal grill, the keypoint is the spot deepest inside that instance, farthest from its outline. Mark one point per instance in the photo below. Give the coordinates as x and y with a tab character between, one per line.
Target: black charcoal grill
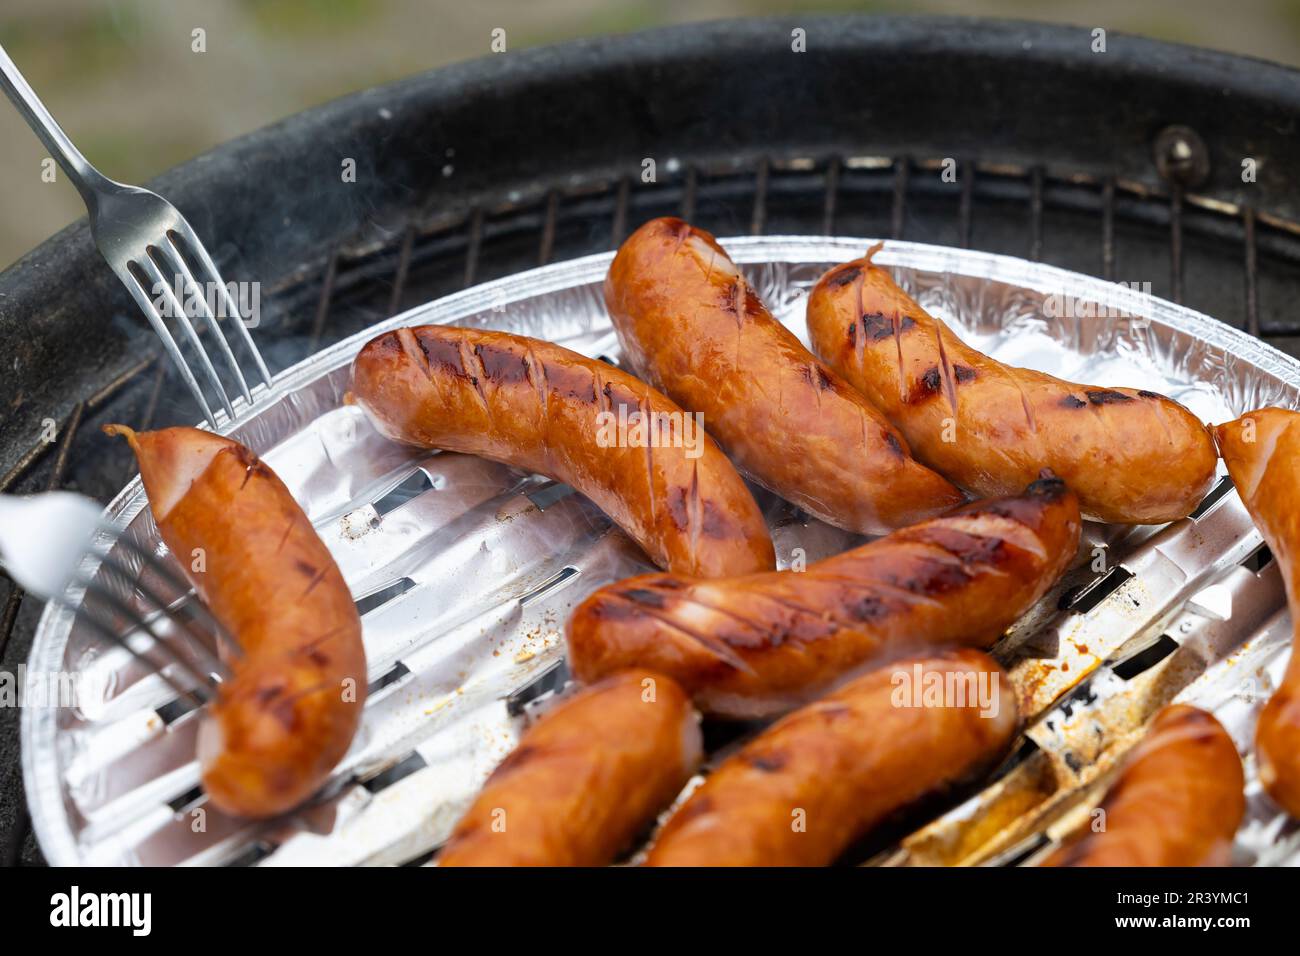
1126	164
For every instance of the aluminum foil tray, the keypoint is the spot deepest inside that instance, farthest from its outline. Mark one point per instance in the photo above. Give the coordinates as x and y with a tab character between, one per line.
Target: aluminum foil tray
466	571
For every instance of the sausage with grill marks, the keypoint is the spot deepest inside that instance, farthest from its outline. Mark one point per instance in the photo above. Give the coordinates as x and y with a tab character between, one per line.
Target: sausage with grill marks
759	644
692	327
803	791
1131	456
287	714
1262	451
585	780
545	409
1178	800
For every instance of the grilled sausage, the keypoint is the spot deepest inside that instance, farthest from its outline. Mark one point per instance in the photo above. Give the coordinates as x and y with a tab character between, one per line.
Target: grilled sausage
692	327
803	791
293	702
1131	456
585	780
760	644
1262	451
1178	800
540	407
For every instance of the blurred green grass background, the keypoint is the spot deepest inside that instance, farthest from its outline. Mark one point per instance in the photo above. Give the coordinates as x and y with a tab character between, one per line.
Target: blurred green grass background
122	78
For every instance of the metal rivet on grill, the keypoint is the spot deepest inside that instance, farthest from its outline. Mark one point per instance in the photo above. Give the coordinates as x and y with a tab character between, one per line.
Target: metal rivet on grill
1181	156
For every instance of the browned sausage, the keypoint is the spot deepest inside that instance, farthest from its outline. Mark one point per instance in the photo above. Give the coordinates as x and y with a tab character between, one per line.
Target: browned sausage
585	780
805	789
763	643
288	712
1262	451
1177	802
692	327
540	407
1131	456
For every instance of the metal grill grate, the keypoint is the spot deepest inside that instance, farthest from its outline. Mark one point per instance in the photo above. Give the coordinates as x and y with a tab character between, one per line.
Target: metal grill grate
1073	220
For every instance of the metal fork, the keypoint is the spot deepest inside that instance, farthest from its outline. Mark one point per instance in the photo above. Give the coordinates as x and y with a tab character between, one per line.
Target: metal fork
45	541
145	239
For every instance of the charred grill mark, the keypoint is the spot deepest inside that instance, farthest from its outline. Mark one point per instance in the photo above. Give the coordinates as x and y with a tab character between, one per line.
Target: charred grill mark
669	583
644	596
501	365
387	346
718	651
870	607
877	327
766	763
893	444
1105	396
571	380
963	374
1069	401
882	589
441	354
926	387
265	695
934	577
817	377
316	579
1051	488
715	522
969	549
843	276
1145	394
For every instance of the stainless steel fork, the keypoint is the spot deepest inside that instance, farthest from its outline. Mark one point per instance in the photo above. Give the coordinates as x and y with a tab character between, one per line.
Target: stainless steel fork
147	242
45	541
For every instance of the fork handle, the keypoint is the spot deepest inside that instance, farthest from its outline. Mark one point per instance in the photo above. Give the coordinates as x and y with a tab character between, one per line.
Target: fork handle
84	176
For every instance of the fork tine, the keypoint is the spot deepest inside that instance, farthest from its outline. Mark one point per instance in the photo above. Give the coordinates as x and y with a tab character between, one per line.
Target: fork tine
176	260
152	270
182	587
208	642
197	250
200	697
139	622
144	300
